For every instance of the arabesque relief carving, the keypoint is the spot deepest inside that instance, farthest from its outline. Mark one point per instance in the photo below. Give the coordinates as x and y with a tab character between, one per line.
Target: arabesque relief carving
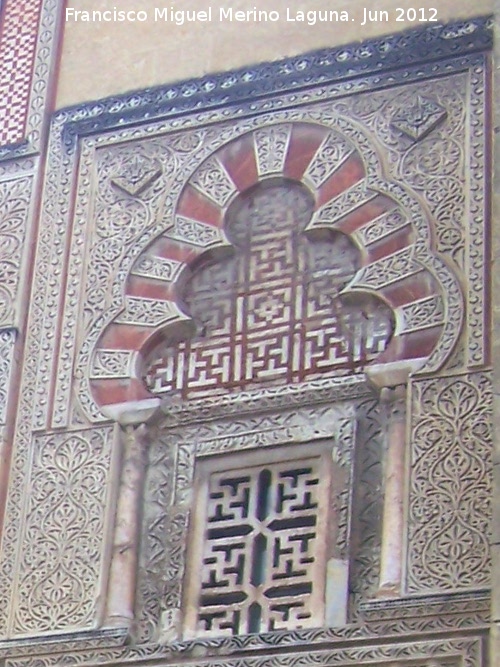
58	582
125	225
438	168
450	484
136	212
351	196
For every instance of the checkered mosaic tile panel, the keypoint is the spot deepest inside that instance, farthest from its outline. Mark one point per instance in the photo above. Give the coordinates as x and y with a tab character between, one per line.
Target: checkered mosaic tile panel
18	37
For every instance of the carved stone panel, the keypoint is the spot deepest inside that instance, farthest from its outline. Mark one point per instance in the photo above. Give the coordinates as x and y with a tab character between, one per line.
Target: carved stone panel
183	176
146	202
450	471
15	205
423	129
62	536
331	175
170	499
368	501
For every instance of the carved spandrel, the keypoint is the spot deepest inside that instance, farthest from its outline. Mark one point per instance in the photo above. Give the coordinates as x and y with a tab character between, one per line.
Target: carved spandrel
442	169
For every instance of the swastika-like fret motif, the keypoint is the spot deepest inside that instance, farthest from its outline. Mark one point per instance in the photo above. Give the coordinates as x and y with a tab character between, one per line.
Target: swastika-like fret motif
262	559
271	313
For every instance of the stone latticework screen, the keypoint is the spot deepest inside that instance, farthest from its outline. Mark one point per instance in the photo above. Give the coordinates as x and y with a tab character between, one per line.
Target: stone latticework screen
271	313
308	241
257	482
259	544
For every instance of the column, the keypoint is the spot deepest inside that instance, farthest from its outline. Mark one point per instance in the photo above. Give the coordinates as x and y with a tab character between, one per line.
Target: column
123	570
391	559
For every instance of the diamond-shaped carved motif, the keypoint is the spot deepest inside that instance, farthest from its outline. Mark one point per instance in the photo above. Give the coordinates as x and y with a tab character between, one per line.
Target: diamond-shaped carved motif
137	174
420	118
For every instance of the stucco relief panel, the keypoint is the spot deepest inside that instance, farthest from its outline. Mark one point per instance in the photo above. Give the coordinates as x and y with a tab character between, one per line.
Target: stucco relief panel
62	535
450	475
137	185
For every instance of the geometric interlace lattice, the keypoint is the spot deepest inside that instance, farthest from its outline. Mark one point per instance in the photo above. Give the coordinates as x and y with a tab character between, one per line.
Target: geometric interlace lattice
262	558
271	312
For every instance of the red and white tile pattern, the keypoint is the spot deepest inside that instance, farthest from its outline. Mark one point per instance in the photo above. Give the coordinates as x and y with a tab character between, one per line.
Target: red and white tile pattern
18	39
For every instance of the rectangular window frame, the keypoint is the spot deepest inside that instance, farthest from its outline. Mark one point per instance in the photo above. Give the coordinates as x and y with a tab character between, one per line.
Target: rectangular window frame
329	573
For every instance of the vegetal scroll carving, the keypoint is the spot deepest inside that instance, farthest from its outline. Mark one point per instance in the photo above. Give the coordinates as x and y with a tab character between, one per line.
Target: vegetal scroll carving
450	491
337	164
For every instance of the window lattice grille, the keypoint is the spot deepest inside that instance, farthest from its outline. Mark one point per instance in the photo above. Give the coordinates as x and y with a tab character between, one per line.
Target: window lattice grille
271	312
261	551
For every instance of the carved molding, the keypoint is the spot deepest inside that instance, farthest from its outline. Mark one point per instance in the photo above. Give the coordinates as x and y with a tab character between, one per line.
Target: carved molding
328	390
7	342
169	494
401	50
388	273
15	206
368	503
467	652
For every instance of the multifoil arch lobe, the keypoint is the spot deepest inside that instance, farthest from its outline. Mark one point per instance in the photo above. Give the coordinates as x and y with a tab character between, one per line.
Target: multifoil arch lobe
335	160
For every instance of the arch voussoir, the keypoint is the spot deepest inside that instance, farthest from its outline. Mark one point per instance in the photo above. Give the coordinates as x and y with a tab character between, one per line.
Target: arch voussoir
396	257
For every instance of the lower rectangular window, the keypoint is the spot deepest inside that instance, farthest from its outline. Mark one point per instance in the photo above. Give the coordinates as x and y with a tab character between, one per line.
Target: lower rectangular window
259	541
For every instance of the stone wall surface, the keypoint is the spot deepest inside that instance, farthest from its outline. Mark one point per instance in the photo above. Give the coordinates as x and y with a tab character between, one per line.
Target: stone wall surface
164	52
495	638
121	233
